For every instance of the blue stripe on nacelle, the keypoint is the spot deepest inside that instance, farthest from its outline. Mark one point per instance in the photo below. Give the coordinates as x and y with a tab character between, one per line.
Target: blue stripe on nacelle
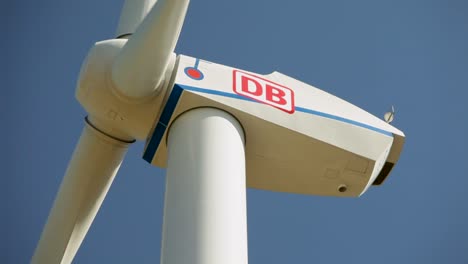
299	109
171	104
342	119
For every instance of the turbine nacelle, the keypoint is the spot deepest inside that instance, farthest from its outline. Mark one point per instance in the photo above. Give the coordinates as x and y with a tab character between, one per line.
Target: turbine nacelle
299	139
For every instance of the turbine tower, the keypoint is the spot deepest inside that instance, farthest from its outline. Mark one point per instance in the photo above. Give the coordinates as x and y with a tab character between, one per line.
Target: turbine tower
217	130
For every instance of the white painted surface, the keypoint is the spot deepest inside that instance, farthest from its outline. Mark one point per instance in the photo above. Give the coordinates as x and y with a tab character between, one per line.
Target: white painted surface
125	119
90	173
140	68
299	139
205	206
133	12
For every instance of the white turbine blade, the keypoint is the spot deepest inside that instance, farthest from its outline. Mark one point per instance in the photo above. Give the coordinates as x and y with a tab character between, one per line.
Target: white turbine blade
133	12
142	63
90	173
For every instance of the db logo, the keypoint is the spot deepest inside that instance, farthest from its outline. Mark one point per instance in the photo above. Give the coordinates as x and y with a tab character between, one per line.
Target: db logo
264	91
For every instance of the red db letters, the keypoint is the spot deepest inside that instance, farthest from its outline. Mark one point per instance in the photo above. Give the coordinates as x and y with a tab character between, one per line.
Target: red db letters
264	91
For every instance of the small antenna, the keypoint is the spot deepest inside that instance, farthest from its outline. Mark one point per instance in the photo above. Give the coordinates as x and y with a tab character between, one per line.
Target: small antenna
388	117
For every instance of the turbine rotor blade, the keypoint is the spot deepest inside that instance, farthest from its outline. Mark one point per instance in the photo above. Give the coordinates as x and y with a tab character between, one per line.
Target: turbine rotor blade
140	67
133	12
91	170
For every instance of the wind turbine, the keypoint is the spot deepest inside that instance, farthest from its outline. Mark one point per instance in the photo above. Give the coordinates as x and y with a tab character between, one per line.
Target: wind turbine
217	129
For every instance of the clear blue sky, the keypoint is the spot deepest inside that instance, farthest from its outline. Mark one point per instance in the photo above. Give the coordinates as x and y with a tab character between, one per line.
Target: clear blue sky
412	54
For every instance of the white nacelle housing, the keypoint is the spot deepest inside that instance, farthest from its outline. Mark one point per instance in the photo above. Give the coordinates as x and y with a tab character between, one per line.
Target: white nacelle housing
299	139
